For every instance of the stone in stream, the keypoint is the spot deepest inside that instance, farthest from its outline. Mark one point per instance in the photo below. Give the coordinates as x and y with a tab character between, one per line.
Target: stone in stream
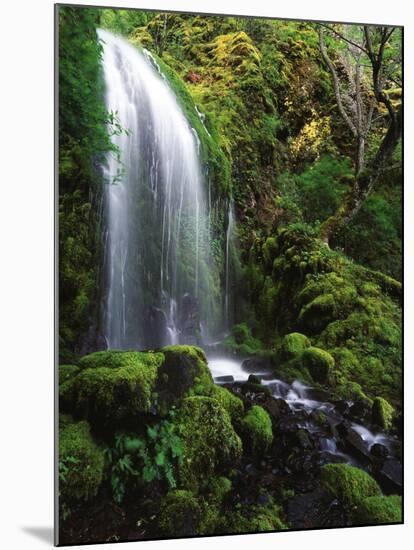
256	364
360	411
276	407
379	451
356	446
224	379
390	476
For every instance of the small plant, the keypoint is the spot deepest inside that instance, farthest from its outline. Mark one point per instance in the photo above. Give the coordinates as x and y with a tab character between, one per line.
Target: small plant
136	459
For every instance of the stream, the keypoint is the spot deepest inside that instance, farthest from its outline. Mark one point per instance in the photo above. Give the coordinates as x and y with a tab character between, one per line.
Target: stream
330	430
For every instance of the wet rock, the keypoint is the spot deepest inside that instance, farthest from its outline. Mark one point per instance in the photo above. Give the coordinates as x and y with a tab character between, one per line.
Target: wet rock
341	407
379	451
256	364
189	321
317	394
390	476
357	446
315	510
225	379
277	408
360	411
253	379
292	422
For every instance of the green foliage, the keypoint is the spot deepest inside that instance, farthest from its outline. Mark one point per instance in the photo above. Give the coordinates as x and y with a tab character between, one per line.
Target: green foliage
256	429
378	510
135	459
382	413
84	141
66	372
209	441
321	186
349	484
241	341
81	463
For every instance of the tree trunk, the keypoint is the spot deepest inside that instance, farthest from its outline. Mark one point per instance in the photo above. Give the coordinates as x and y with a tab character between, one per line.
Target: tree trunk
364	181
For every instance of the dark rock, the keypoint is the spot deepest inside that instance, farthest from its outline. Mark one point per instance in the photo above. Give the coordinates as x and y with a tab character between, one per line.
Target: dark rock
253	379
277	408
390	476
189	321
357	446
315	510
379	451
256	364
360	411
342	407
303	439
225	379
155	328
317	394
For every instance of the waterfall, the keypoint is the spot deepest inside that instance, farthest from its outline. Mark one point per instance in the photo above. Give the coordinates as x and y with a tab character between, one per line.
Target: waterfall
157	244
229	236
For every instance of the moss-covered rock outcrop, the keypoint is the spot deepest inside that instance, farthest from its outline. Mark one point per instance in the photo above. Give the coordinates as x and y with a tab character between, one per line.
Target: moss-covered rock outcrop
81	463
349	484
377	510
210	443
256	429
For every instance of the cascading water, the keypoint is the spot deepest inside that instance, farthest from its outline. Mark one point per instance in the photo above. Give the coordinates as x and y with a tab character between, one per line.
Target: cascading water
229	236
157	239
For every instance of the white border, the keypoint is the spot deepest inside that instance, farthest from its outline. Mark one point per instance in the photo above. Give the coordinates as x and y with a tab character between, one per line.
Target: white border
26	269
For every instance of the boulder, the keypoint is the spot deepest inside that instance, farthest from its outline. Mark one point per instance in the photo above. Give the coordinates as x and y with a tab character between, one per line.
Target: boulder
318	362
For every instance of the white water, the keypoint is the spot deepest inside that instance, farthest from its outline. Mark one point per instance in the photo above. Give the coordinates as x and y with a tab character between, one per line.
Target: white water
155	215
227	367
229	236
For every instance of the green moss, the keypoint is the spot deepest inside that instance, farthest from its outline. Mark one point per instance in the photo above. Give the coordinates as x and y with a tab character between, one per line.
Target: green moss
256	429
230	402
382	413
180	515
81	462
113	386
218	488
379	509
349	484
66	372
210	445
252	519
292	345
318	362
241	342
183	372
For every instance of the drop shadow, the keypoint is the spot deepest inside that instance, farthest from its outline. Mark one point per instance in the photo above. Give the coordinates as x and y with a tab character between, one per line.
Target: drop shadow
44	534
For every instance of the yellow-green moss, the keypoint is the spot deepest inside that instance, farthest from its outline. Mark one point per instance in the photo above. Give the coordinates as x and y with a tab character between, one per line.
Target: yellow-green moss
382	413
66	372
113	386
252	519
292	345
318	362
256	429
180	515
379	509
348	484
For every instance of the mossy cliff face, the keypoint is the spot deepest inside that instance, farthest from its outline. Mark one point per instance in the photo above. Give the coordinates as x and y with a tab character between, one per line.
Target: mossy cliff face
350	314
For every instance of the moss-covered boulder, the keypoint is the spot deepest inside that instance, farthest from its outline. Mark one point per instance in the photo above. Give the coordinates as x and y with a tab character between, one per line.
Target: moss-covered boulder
382	413
113	386
81	462
252	519
379	509
180	515
256	430
184	370
318	362
292	345
348	484
210	444
230	402
66	372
